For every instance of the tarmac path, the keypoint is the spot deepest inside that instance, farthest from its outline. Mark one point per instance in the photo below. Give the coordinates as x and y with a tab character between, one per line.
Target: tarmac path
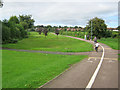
49	52
79	75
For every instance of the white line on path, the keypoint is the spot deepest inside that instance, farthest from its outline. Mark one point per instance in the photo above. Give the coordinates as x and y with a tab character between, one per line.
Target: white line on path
88	87
88	58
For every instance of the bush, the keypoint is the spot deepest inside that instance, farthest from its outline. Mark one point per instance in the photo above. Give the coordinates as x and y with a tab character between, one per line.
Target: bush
108	34
18	33
5	34
115	35
15	28
21	29
13	41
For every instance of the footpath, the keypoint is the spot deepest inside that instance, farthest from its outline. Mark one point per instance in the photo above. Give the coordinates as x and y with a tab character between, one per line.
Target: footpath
79	75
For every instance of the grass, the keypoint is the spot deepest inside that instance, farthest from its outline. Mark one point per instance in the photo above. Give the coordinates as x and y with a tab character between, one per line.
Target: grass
74	34
112	42
51	43
31	70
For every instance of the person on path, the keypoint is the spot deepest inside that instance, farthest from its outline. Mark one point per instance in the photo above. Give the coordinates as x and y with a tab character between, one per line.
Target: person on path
95	39
96	46
85	37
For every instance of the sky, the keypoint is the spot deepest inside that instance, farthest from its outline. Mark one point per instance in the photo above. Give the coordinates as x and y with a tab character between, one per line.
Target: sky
62	12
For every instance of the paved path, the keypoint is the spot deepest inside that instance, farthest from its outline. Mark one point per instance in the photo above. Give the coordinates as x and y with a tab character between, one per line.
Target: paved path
49	52
79	75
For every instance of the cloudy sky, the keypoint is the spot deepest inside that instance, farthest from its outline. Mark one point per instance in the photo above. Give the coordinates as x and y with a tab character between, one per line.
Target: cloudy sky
63	12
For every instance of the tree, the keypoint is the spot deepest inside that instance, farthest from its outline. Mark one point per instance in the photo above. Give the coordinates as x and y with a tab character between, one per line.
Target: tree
5	22
15	28
14	19
28	19
45	31
18	33
57	32
80	27
60	26
40	30
65	28
12	27
22	31
5	33
24	24
99	28
49	27
76	27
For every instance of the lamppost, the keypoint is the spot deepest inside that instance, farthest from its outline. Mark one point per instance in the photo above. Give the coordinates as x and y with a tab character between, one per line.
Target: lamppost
91	30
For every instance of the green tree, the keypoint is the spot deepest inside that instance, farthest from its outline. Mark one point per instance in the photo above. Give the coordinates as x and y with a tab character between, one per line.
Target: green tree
65	28
49	27
28	19
21	29
5	22
45	31
18	33
15	28
57	32
24	24
60	26
5	33
14	19
76	27
12	30
99	28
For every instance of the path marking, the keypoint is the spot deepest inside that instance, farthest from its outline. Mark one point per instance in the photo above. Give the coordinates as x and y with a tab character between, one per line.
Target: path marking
104	58
111	61
88	58
96	72
107	48
89	61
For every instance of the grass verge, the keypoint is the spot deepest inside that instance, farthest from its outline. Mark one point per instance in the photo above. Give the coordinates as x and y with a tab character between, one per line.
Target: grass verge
51	43
31	70
112	42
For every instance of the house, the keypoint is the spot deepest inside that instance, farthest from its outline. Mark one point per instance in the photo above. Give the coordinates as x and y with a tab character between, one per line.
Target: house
112	29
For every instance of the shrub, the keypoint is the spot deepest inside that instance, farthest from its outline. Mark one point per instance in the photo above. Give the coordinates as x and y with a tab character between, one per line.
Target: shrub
5	34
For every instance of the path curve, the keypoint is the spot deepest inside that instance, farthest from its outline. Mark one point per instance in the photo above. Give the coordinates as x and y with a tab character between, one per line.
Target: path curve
78	75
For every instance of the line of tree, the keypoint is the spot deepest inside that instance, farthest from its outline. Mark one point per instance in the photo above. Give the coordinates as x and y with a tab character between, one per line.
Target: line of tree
16	28
99	29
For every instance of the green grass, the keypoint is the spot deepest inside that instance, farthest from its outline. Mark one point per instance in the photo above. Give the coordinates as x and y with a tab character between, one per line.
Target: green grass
51	43
31	70
112	42
74	34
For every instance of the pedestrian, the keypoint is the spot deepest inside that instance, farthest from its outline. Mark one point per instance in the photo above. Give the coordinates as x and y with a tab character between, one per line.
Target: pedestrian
85	37
96	46
95	39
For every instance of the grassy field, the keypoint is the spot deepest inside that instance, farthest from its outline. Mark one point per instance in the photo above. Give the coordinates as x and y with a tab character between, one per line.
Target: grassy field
112	42
75	34
51	43
31	70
